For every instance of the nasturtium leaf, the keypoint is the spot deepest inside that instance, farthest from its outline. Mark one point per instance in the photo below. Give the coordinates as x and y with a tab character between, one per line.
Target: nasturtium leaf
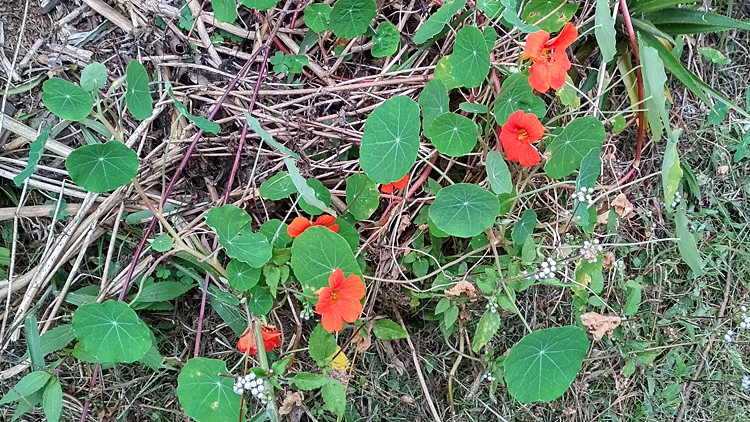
543	364
556	12
391	140
260	301
362	196
162	243
138	96
351	18
491	8
316	254
225	11
66	100
433	100
35	154
686	243
321	346
94	76
487	327
516	94
444	73
437	21
471	57
205	394
575	141
385	329
524	227
241	276
590	168
201	122
568	95
52	400
386	39
349	233
510	16
464	210
321	193
111	332
453	134
102	168
261	5
317	16
604	30
232	226
275	232
498	173
490	37
314	198
279	186
473	108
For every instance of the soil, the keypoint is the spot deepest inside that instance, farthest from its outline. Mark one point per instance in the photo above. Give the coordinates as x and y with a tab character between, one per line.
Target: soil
37	25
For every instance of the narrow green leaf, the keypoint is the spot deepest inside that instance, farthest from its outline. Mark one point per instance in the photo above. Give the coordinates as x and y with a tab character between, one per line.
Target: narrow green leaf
36	149
511	16
437	21
254	125
52	400
524	227
306	192
686	243
201	122
714	56
654	79
28	385
680	20
487	327
498	173
604	30
138	95
161	292
261	5
33	341
321	192
671	171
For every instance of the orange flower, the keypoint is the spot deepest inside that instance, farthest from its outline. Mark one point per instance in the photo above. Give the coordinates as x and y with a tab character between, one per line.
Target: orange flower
340	301
271	339
390	187
300	224
517	136
549	60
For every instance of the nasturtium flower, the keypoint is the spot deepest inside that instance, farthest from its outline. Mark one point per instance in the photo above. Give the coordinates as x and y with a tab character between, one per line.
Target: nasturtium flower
390	187
300	224
518	134
271	339
340	301
549	61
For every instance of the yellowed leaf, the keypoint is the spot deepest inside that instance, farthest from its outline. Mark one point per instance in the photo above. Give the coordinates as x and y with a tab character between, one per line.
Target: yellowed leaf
340	361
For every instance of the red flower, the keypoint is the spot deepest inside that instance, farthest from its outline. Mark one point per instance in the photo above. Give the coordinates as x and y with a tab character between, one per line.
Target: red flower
390	187
300	224
518	134
549	60
340	301
271	339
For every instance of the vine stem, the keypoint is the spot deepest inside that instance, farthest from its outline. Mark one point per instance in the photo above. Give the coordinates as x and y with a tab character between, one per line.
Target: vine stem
639	81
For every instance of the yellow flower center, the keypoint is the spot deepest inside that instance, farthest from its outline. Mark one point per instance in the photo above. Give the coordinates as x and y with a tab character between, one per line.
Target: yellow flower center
334	294
523	135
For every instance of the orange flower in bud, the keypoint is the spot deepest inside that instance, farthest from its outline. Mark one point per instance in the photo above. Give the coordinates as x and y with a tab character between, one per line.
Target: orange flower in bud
271	339
300	224
390	187
340	301
549	61
518	134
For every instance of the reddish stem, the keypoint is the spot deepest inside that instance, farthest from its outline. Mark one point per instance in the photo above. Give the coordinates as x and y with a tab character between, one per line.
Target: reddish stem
639	81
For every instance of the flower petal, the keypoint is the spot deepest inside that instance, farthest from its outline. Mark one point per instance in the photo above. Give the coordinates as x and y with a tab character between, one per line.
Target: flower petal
324	301
349	309
336	279
535	43
533	127
325	220
539	77
528	156
298	225
387	188
332	321
352	288
557	74
334	228
565	38
401	183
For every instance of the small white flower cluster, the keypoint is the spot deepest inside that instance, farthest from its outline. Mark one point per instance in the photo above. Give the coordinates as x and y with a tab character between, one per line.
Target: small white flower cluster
677	200
745	324
746	382
584	195
590	250
729	337
547	269
306	313
253	385
489	377
491	304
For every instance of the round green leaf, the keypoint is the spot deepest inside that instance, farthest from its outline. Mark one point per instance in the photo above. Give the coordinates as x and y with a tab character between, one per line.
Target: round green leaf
444	73
433	100
349	233
575	141
316	253
138	96
391	140
362	196
232	226
162	243
471	57
224	10
351	18
111	331
102	168
321	192
385	41
453	135
516	94
275	232
261	5
317	16
498	173
94	76
66	100
464	210
204	394
543	364
260	301
279	186
556	13
437	21
241	276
